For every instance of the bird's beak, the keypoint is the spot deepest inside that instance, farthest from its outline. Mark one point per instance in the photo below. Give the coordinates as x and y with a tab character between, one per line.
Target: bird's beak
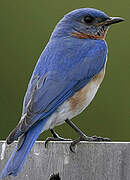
113	20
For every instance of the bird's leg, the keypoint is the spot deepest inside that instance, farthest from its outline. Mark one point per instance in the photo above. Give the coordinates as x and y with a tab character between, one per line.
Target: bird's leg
82	136
55	137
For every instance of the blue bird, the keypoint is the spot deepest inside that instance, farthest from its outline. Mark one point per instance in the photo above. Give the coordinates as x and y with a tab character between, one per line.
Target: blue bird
64	82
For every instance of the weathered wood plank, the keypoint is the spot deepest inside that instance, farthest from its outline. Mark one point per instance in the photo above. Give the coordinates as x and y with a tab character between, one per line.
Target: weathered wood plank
92	161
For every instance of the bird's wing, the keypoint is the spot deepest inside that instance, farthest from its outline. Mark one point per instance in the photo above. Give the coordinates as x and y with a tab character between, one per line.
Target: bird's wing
50	90
45	93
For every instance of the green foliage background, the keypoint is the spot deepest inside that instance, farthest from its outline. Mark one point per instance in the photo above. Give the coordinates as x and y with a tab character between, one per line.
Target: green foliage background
25	28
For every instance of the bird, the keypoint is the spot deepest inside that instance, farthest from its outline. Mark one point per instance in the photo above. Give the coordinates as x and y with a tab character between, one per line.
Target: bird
64	82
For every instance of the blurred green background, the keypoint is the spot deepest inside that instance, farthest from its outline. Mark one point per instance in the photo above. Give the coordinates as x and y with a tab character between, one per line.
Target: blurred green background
25	28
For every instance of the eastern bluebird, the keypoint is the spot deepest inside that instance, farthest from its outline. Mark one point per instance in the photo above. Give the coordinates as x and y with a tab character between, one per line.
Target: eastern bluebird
64	82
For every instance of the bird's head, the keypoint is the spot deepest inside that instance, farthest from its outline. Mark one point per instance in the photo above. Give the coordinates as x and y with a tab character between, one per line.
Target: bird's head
85	23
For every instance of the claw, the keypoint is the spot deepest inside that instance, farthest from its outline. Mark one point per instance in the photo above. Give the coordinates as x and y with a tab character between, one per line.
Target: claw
89	139
47	140
107	139
73	148
55	137
73	144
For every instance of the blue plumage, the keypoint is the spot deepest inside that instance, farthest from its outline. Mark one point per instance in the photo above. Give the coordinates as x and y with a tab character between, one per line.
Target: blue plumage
18	158
62	78
75	53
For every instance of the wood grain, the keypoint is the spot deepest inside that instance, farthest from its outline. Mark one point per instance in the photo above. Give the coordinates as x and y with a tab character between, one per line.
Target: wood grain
92	161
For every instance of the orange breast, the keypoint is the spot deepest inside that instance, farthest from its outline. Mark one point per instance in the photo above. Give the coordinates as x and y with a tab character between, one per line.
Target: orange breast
81	99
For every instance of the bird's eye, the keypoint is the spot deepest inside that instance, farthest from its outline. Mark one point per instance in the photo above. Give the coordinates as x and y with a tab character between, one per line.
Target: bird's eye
88	19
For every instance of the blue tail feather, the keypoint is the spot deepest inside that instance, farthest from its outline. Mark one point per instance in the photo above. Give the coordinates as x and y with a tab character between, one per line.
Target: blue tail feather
18	158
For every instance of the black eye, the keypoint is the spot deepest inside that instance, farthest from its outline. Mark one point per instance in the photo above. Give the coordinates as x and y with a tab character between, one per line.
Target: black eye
88	19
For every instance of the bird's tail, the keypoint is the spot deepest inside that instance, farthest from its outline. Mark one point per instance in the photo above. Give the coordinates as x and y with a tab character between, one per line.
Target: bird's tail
19	156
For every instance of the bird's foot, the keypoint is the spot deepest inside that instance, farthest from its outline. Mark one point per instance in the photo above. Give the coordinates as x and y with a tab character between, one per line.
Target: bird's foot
55	137
98	139
82	136
89	139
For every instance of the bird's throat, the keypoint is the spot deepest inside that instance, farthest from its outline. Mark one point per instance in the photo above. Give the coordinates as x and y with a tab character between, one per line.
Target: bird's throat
81	35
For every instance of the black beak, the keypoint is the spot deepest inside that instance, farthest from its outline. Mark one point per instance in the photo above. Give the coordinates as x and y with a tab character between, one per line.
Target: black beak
113	20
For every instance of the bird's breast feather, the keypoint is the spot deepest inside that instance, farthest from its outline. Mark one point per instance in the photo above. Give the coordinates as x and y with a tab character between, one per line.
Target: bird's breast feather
82	98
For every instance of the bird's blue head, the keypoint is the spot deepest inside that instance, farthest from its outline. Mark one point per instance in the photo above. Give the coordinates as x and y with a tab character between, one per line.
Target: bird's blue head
85	23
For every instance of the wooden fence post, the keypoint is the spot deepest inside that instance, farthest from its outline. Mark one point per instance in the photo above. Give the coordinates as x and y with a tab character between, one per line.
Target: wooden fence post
92	161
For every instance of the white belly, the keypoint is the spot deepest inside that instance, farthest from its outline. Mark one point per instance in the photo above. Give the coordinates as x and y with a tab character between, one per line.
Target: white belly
77	103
